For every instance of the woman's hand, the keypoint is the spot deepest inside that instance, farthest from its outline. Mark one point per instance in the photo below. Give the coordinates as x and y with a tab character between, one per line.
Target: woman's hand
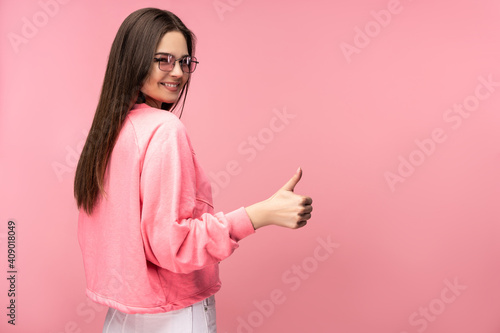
285	208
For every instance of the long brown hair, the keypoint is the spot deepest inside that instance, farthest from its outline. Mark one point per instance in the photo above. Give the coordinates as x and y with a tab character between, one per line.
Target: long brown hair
128	67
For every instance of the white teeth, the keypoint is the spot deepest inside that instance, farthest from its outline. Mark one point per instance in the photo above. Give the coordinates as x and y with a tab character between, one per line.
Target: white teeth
170	85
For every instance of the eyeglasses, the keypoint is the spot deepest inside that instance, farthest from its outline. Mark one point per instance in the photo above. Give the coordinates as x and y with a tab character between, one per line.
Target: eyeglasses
166	62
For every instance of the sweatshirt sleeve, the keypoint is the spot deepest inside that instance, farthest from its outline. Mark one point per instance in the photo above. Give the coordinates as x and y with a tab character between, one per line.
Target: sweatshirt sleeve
173	237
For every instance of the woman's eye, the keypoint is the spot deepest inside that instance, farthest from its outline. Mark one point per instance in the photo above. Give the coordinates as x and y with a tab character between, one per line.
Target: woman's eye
165	59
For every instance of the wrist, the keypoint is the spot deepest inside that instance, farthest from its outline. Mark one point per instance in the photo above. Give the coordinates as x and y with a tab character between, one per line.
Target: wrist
257	214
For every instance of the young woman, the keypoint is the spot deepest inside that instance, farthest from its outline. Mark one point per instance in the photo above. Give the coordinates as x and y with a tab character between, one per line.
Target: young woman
150	240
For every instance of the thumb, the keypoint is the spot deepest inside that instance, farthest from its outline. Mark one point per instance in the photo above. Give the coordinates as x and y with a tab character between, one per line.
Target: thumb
290	185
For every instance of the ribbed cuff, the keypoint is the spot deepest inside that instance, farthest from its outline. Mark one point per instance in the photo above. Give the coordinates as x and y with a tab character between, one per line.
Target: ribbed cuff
241	225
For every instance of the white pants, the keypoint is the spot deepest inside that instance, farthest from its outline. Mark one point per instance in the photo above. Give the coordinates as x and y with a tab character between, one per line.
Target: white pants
196	318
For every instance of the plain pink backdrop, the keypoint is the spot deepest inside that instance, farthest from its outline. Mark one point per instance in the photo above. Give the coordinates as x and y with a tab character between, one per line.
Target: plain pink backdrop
360	87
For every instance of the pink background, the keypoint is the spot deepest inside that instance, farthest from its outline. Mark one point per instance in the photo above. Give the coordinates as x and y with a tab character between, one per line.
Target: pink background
354	116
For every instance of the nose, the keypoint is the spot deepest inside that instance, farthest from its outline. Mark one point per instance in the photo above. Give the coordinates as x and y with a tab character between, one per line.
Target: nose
177	70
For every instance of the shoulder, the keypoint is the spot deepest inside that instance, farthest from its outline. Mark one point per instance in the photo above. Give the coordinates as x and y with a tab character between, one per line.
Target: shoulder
154	127
149	121
146	116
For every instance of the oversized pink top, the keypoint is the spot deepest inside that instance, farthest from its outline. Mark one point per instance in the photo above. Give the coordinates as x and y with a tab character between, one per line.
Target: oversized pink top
153	242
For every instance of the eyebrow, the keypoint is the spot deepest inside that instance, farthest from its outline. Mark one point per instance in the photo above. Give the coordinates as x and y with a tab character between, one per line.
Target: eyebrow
165	53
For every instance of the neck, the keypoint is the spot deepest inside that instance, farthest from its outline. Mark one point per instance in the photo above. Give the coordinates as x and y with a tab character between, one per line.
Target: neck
153	103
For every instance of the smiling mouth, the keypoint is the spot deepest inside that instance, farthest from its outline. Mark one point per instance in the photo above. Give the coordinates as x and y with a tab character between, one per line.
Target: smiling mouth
171	85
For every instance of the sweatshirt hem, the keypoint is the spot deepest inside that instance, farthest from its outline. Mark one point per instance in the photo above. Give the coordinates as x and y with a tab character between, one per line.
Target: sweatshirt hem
160	308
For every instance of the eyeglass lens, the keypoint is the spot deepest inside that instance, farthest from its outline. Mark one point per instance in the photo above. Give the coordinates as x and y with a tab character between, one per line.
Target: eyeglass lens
167	63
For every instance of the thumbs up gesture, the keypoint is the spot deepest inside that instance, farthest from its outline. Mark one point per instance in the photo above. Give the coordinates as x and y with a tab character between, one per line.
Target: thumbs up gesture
285	208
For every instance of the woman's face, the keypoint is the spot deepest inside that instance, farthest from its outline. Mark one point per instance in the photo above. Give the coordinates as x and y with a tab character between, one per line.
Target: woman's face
163	86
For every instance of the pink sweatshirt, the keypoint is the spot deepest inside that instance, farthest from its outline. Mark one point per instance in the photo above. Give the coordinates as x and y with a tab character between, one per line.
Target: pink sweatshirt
153	243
